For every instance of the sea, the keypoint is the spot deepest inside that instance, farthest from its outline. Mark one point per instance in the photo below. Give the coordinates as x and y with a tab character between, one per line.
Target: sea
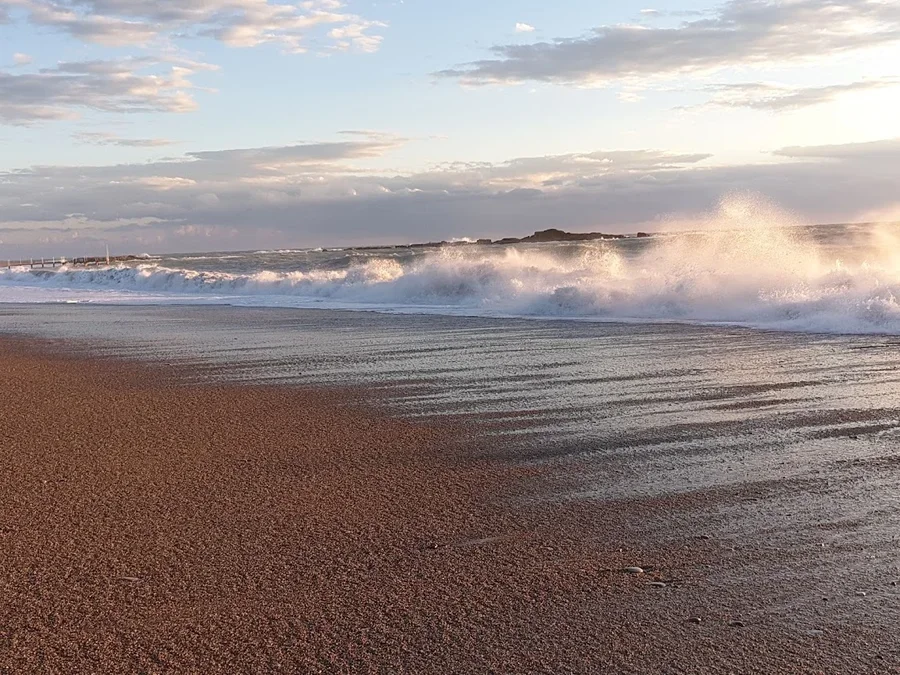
826	279
761	361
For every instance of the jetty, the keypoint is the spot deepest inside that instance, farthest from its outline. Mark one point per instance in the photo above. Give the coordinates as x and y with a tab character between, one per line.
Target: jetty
36	262
39	263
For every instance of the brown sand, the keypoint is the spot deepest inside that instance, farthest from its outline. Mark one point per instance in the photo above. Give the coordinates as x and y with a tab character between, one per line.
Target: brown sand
151	526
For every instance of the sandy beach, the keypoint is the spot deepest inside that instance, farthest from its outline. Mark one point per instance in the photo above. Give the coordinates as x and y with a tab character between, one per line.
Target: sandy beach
343	336
150	524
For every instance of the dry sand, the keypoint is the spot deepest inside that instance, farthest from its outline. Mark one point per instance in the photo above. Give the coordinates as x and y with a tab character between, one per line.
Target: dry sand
151	526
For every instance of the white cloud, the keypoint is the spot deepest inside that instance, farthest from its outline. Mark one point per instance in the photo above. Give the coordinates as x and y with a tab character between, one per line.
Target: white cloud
779	97
237	23
105	138
524	28
21	59
122	86
354	36
741	33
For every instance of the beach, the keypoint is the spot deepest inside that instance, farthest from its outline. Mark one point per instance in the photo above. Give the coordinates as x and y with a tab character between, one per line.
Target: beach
175	514
434	337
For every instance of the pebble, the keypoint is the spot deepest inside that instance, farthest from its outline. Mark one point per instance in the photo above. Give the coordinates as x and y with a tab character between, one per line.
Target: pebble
737	624
129	579
634	570
814	632
695	619
657	584
861	594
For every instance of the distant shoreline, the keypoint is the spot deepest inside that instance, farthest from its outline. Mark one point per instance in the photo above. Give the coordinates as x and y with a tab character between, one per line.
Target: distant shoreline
551	235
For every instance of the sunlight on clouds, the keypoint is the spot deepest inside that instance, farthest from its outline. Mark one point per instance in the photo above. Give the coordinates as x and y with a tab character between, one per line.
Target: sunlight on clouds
740	33
776	97
117	86
354	36
869	115
236	23
165	182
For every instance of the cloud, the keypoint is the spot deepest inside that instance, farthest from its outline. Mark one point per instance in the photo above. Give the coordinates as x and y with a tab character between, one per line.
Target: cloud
318	157
86	25
237	23
884	150
319	194
524	28
776	97
122	86
552	171
629	97
21	59
741	33
103	138
314	164
354	36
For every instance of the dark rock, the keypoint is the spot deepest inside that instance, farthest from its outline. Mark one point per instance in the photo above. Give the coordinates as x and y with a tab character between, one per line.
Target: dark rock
559	235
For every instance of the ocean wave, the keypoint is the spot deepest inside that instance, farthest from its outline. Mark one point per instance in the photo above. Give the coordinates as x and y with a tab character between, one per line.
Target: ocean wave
288	251
766	277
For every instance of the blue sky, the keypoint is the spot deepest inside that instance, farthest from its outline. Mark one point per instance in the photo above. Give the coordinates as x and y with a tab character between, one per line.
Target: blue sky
394	121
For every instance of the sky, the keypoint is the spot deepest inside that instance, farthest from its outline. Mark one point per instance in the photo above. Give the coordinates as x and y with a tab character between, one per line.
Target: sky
189	125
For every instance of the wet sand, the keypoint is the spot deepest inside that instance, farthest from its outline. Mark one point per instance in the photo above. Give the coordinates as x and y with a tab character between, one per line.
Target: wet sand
148	524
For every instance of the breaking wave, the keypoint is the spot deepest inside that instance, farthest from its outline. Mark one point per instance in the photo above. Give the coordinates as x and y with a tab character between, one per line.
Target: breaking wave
757	272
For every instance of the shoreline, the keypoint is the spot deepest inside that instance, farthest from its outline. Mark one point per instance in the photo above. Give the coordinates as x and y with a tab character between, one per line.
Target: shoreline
150	523
697	324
